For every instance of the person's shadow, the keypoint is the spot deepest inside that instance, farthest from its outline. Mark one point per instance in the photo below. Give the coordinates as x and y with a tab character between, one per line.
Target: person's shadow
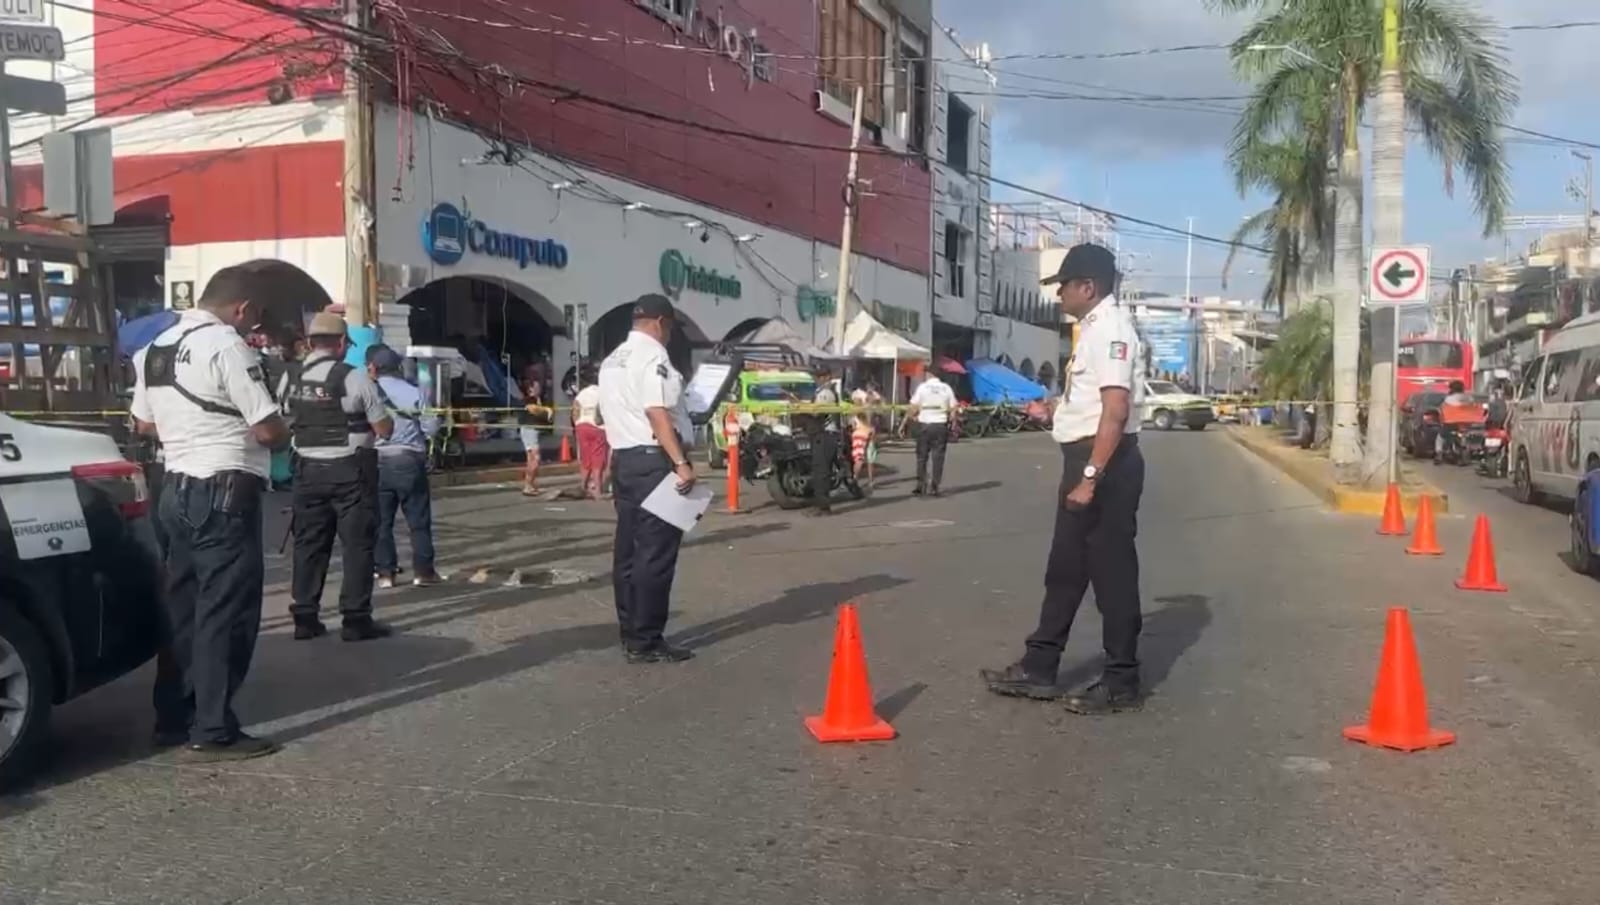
1168	633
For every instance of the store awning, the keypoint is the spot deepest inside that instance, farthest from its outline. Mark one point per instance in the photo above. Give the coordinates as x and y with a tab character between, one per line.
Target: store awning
950	366
866	337
994	383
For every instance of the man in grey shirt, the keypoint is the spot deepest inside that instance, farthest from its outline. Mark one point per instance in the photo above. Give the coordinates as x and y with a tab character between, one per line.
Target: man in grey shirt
336	417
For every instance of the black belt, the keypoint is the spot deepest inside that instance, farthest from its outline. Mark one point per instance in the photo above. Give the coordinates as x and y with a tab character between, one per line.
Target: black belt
637	450
1087	443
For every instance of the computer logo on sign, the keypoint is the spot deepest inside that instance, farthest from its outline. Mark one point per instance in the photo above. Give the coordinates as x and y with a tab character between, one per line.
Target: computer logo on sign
444	234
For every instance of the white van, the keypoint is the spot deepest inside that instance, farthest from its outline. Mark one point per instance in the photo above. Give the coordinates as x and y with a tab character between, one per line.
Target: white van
1555	421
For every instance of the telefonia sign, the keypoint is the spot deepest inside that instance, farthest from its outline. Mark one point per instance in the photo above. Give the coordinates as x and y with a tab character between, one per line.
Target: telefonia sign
813	304
679	273
447	236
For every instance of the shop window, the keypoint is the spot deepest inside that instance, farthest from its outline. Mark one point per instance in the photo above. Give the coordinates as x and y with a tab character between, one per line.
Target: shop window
853	52
911	89
958	134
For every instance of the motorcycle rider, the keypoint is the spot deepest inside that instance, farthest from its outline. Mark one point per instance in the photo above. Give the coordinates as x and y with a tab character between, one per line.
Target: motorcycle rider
1457	411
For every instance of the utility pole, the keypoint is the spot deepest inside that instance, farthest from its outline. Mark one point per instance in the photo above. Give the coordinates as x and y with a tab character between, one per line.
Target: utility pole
1588	208
1197	317
842	301
360	215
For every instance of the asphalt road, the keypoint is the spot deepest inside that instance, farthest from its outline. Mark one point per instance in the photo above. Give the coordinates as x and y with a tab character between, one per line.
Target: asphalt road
499	751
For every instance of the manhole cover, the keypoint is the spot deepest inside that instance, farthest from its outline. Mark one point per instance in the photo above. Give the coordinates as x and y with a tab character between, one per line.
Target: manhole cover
922	523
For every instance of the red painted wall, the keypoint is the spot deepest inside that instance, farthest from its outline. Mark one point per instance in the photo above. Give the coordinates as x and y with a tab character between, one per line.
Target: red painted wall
157	55
794	189
263	192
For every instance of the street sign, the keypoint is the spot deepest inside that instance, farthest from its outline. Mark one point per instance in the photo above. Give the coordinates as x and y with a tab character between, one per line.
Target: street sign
32	95
22	10
31	42
1398	275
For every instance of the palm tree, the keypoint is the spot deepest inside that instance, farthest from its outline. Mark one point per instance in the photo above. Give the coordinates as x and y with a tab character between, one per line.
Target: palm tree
1315	65
1294	227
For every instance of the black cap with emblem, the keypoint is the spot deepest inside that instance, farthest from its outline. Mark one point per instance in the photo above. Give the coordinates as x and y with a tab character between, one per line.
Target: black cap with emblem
652	305
1087	261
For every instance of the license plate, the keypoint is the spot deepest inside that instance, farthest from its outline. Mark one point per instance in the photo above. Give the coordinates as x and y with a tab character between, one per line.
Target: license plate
1492	442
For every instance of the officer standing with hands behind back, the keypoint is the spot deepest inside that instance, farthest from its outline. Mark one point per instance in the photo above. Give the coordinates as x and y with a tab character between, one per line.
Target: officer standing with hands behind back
337	415
1102	479
647	424
202	391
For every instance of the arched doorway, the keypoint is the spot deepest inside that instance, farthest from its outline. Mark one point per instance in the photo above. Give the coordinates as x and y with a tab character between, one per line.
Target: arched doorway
1006	360
500	326
1047	375
612	328
1026	370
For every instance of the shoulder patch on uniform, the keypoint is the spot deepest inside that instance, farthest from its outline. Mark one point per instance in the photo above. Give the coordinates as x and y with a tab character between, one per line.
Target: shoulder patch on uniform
256	373
661	371
1119	351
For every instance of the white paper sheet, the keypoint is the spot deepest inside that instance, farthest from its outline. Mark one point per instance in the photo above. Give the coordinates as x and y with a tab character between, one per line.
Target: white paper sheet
680	509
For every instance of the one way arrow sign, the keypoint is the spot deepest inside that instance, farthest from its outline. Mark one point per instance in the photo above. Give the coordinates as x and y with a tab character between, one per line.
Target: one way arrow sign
1398	275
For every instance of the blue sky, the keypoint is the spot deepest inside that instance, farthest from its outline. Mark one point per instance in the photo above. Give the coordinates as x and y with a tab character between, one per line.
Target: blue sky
1167	163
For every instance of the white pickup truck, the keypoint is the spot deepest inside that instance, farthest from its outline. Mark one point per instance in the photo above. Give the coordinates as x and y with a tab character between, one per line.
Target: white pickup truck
1166	406
80	576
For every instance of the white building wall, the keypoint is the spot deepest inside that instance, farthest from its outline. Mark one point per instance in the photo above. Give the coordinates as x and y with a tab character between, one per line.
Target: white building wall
962	197
322	257
614	255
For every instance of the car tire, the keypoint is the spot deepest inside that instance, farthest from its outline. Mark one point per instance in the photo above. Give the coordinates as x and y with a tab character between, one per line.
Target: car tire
1584	561
1162	419
1522	480
1198	427
716	458
27	693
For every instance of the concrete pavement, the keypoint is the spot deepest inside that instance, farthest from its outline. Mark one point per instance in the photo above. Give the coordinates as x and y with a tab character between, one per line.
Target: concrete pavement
499	750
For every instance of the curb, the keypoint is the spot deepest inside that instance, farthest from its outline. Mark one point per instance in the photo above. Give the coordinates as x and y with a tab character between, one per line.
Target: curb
1338	497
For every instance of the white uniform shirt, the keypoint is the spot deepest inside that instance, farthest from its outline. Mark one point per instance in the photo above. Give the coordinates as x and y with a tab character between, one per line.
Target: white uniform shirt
933	401
635	377
588	402
216	365
1107	355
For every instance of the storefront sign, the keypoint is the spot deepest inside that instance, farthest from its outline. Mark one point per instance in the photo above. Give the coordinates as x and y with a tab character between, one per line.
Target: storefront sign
690	21
814	304
447	236
903	320
679	273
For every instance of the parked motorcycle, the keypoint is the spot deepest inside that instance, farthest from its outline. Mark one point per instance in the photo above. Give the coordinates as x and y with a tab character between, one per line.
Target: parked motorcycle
1495	462
783	460
1460	444
1007	418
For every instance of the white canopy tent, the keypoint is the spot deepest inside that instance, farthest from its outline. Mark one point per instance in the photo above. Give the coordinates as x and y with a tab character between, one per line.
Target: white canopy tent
866	337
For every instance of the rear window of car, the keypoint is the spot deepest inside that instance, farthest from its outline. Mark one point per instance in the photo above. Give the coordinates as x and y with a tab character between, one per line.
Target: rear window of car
781	392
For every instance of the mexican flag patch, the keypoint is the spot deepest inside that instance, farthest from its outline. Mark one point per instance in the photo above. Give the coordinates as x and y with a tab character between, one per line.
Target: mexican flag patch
1119	351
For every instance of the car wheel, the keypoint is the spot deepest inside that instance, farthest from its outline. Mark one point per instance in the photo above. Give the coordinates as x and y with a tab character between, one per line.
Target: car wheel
1198	427
1522	480
26	694
1163	420
716	458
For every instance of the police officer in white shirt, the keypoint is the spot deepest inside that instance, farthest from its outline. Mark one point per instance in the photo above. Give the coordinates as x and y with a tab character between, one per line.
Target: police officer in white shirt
933	402
336	417
1097	425
646	424
202	391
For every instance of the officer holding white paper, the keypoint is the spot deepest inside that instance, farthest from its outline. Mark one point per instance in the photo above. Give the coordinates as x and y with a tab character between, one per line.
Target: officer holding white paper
646	424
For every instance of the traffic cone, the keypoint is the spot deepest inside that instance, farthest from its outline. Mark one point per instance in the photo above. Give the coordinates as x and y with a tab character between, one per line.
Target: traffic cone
1481	574
1399	717
1425	542
566	447
1394	517
847	716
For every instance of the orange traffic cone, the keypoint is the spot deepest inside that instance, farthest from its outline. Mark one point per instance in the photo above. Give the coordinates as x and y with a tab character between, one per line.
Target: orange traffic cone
1394	517
848	715
1399	717
566	447
1481	574
1425	542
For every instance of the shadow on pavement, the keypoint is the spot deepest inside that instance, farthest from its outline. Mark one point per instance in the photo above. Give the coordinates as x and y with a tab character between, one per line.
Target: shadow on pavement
1168	633
794	606
895	704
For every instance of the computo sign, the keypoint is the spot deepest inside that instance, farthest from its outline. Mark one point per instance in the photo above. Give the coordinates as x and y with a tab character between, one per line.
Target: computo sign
447	235
679	273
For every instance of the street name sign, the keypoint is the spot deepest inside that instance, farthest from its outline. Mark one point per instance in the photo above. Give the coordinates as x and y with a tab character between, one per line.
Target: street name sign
1399	275
33	95
31	42
22	10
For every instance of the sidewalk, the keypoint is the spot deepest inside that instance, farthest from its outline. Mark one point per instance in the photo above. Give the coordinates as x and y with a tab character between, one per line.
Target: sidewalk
1312	468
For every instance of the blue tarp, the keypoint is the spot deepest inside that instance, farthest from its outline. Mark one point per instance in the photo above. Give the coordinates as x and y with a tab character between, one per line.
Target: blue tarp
141	331
994	383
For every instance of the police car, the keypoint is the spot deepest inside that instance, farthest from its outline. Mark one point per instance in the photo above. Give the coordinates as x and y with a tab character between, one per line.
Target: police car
80	575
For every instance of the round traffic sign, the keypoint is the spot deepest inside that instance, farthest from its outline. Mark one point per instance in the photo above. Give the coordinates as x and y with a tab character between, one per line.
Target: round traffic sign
1398	274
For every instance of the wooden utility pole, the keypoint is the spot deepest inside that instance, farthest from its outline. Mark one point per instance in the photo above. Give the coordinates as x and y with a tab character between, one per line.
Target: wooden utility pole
360	215
842	300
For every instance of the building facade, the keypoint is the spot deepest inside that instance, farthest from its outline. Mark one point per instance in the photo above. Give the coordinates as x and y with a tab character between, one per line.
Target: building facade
963	262
535	169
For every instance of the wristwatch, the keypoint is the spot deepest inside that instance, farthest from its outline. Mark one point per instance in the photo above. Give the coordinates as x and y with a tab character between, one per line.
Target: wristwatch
1090	472
680	463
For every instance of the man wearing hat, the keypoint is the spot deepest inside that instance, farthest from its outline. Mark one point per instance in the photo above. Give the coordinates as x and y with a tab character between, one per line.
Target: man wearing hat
647	426
336	417
1097	425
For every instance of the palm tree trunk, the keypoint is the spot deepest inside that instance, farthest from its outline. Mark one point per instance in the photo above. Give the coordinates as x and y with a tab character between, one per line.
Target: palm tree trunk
1345	449
1388	189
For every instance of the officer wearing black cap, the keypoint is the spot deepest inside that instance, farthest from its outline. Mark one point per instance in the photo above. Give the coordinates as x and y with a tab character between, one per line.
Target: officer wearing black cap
646	423
1097	425
336	415
201	390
